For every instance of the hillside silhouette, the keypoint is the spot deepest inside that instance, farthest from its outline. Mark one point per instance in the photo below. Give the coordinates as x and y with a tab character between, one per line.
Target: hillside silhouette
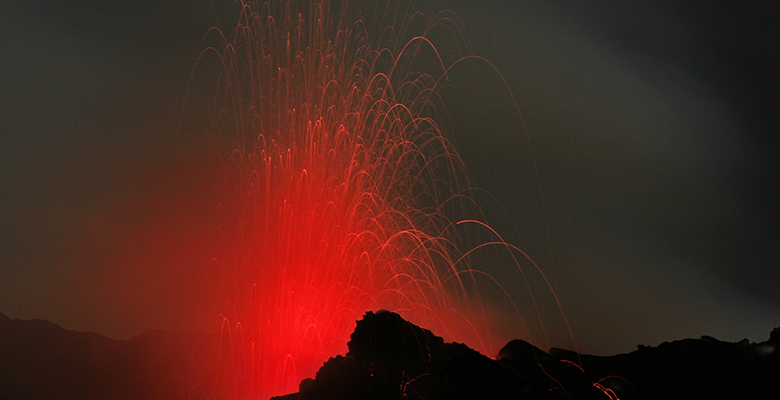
41	360
388	358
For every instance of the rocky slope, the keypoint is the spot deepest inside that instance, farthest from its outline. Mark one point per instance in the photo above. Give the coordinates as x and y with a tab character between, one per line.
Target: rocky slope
388	358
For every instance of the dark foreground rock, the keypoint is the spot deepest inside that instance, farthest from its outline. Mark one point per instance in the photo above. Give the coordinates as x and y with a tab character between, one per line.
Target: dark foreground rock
704	368
390	358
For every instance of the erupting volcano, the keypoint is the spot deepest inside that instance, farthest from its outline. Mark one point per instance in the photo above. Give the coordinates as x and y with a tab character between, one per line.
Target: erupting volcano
313	199
339	189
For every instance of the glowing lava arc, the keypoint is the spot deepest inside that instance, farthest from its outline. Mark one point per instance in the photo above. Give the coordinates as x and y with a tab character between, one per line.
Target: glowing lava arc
338	189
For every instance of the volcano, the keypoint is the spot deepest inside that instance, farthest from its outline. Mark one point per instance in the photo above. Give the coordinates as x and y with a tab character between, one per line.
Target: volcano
388	357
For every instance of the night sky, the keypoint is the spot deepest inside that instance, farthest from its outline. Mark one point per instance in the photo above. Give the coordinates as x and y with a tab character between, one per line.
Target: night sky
653	128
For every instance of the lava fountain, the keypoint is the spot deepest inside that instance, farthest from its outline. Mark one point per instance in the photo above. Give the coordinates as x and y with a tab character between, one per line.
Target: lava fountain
338	191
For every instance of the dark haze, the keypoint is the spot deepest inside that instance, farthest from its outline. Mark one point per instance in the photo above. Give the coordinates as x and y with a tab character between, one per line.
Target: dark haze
653	125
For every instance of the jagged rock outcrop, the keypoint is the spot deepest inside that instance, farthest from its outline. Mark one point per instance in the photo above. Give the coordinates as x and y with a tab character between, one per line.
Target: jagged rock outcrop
390	358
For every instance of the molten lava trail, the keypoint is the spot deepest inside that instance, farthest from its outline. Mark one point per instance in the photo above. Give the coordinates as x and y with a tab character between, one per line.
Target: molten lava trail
338	189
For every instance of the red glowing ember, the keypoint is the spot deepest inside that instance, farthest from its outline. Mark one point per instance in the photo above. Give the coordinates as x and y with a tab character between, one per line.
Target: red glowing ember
339	190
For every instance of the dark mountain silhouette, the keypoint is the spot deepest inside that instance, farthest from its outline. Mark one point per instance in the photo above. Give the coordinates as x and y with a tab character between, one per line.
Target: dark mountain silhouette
388	358
41	360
